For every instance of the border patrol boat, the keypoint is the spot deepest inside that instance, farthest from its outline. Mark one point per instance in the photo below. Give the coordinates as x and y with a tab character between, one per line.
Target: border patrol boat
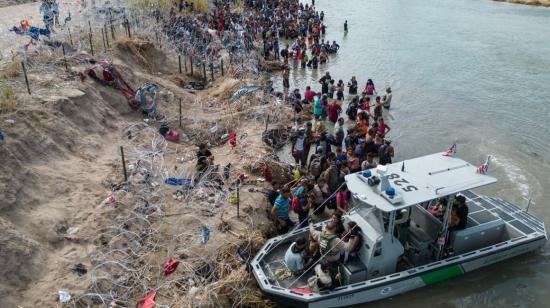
404	246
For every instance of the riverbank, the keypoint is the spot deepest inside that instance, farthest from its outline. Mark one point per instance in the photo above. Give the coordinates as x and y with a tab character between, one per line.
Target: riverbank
70	220
545	3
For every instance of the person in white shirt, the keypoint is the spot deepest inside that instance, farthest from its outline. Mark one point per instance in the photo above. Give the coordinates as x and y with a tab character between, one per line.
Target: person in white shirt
321	279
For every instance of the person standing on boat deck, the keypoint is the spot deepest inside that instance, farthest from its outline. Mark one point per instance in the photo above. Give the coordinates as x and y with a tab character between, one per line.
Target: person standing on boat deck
280	210
461	212
330	245
296	258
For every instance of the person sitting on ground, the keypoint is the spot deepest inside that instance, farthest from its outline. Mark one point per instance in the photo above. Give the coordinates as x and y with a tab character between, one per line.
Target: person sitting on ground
369	163
353	236
280	211
204	157
322	279
296	258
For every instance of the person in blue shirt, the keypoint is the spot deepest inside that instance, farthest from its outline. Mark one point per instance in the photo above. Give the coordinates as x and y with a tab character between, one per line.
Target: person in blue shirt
280	211
296	258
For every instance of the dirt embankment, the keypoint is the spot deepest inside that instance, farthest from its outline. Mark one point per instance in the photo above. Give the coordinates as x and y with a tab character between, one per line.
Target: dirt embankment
6	3
60	160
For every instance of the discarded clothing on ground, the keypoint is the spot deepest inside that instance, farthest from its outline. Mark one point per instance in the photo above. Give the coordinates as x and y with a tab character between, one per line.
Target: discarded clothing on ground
105	73
244	91
31	31
146	97
148	301
170	266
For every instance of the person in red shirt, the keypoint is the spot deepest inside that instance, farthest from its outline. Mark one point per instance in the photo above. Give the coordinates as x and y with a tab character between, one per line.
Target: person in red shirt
334	111
309	94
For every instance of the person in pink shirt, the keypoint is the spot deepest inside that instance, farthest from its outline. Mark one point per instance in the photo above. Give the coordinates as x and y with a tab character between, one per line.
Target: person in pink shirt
342	199
383	128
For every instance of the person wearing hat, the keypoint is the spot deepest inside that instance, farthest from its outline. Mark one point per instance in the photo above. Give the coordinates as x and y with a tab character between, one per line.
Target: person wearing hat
386	102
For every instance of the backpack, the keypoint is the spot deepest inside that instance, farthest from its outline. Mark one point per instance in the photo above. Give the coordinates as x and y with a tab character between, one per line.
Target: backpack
324	244
295	206
315	167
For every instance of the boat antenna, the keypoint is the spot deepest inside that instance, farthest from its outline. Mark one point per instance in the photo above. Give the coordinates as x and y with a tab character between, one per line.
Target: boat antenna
403	167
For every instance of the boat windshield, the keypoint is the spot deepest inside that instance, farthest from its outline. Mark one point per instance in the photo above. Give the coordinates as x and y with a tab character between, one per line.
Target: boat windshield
371	214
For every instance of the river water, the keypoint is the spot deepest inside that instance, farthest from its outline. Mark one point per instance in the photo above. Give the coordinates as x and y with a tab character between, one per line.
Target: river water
474	72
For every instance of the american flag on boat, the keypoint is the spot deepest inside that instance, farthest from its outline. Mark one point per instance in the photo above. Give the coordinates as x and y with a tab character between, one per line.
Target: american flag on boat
484	167
451	151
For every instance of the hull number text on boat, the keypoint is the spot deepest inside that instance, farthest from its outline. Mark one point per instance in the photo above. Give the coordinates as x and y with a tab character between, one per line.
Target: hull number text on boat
401	182
345	297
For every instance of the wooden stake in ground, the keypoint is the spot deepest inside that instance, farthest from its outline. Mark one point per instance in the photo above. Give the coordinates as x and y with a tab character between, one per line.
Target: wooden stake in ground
26	78
212	71
111	22
180	112
103	38
191	61
106	35
64	56
90	37
221	66
123	164
70	37
204	71
179	62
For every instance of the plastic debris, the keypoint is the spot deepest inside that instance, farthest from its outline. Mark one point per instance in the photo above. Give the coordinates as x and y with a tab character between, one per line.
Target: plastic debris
176	181
241	254
9	121
205	234
148	301
110	200
214	128
170	266
64	296
72	230
184	137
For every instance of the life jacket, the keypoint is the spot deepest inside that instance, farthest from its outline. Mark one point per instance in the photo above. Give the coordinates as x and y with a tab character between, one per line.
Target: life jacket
324	244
